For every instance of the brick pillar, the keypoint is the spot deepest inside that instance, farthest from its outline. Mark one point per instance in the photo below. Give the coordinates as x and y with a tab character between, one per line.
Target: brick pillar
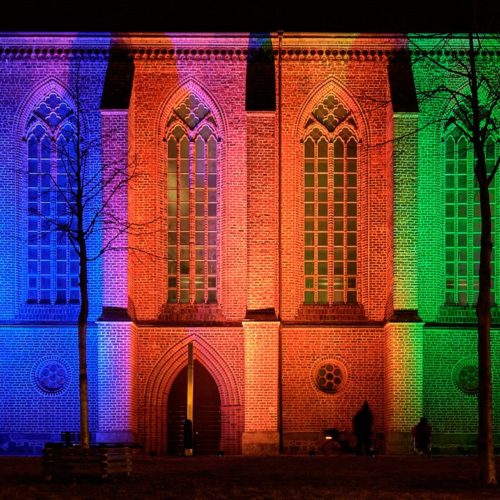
405	287
404	332
114	327
115	382
262	211
403	383
260	436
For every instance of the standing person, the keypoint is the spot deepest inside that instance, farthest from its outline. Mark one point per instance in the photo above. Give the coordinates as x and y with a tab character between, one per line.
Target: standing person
362	428
422	436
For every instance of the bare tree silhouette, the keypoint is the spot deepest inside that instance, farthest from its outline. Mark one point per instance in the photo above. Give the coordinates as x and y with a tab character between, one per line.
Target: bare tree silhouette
463	70
84	194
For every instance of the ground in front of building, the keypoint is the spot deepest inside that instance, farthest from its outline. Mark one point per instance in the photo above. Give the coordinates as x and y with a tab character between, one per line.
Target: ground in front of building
290	477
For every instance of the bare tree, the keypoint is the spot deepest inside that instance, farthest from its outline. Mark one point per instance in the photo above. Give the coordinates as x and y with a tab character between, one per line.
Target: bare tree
464	71
84	194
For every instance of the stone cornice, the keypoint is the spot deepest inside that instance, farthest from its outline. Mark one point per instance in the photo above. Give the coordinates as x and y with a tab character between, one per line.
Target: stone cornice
307	47
297	54
20	52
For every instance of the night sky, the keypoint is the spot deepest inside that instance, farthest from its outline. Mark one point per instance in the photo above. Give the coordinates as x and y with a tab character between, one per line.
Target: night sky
257	16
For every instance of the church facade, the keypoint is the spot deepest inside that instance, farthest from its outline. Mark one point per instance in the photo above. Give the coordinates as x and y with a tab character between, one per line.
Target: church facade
298	212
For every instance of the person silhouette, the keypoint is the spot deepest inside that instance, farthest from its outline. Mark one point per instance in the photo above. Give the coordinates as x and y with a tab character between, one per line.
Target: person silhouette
362	428
422	436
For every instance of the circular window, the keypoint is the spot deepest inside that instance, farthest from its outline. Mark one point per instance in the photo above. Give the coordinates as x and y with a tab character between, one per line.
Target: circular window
51	376
330	376
466	376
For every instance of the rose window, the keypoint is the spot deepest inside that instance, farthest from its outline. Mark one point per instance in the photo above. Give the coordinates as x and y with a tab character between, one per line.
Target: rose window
466	376
330	376
51	376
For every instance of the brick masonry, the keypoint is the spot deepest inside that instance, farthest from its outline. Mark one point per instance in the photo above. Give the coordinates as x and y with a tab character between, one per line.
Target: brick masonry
260	343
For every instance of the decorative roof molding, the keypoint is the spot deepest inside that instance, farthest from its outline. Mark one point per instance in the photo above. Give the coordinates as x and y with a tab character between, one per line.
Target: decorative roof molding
307	47
302	54
20	52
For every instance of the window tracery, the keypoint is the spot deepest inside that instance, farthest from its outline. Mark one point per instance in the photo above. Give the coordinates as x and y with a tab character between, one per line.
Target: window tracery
463	219
52	262
192	157
330	205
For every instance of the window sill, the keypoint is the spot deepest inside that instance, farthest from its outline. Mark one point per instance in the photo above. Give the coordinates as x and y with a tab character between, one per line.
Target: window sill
191	312
331	312
458	313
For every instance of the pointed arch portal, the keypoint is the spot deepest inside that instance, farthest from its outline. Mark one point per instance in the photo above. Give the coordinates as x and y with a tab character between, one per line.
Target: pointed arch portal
159	389
207	413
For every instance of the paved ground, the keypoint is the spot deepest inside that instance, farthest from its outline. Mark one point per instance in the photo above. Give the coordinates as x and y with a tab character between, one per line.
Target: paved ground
285	477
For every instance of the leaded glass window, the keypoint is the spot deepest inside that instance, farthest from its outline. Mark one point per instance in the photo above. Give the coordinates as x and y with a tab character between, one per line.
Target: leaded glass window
52	262
463	220
192	203
330	205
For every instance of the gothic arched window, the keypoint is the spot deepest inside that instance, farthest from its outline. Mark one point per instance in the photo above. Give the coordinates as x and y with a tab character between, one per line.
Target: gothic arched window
330	205
463	219
192	203
52	263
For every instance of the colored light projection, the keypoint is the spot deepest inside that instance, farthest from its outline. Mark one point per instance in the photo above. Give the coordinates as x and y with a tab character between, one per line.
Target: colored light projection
39	269
448	229
189	155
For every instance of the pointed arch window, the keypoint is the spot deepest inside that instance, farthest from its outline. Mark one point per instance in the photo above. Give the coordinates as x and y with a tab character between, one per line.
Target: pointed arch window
330	205
463	219
192	157
52	262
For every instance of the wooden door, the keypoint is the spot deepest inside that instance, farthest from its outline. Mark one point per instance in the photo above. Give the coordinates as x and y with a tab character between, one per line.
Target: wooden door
206	413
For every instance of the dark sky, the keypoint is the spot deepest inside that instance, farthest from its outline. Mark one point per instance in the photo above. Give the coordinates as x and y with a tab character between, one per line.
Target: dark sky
257	15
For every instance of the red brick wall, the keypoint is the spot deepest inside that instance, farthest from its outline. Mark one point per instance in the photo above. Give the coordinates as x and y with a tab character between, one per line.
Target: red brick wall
162	353
158	86
262	211
261	376
307	409
248	236
399	368
362	84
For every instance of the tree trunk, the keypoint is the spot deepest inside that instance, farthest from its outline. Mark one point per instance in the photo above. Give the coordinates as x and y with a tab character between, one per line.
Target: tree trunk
82	347
81	242
486	453
483	310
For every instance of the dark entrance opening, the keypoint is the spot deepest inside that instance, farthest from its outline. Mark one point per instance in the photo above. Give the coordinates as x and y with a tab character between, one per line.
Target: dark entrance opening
206	413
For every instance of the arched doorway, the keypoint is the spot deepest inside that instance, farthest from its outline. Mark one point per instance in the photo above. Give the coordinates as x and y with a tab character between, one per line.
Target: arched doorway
206	413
